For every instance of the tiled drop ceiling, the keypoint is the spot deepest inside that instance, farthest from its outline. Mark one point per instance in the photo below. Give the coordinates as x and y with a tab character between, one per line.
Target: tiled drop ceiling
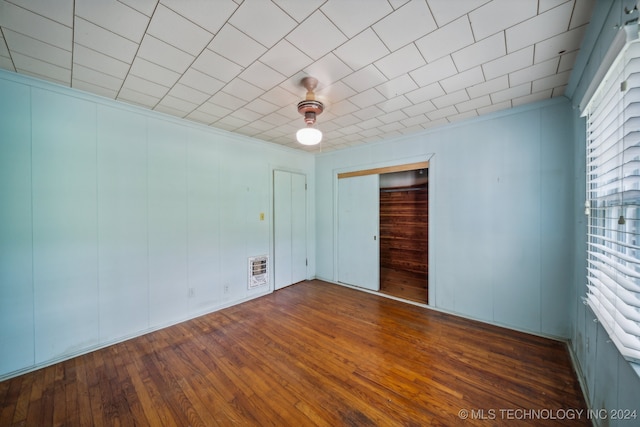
386	68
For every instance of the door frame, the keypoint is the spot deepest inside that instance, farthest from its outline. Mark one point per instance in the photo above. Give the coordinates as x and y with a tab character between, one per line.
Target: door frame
272	222
409	163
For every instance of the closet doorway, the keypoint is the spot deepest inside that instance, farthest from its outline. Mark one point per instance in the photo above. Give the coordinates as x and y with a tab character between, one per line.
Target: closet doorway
404	237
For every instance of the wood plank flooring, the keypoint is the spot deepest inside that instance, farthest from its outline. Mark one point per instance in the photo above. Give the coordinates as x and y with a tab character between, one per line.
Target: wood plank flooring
404	284
312	354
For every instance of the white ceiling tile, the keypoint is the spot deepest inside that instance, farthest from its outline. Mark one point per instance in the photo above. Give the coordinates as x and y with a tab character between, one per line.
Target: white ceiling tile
214	109
98	61
96	78
534	97
44	70
365	78
394	104
551	82
261	106
162	108
134	97
113	16
344	107
512	92
398	86
488	87
352	16
177	104
236	46
6	63
445	11
163	54
276	119
478	53
187	93
37	49
442	112
362	50
316	47
216	66
243	90
335	92
345	120
421	108
145	86
549	4
328	70
201	81
463	80
280	97
434	71
210	15
230	123
581	13
462	116
106	42
92	88
393	116
401	61
508	63
425	93
263	21
446	40
560	44
178	31
474	104
414	18
246	115
397	3
451	99
153	72
144	6
367	98
415	120
262	76
60	10
494	107
285	58
535	72
558	91
368	113
499	15
201	117
567	60
299	10
540	27
38	27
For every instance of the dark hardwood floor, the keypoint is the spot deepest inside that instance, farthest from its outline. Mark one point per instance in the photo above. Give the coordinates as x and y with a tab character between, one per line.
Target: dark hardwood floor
312	354
404	284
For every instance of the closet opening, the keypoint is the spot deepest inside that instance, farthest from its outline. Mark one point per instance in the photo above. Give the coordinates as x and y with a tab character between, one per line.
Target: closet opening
404	237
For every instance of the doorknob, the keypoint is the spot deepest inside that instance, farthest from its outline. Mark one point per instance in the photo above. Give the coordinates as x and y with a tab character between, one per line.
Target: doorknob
375	237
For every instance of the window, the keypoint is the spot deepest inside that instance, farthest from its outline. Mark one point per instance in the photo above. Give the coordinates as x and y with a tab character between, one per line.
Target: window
613	201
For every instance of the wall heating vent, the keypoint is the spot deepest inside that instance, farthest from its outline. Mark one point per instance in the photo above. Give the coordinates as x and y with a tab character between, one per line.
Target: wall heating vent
258	271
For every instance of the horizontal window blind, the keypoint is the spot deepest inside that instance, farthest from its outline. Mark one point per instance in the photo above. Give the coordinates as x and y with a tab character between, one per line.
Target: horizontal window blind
613	201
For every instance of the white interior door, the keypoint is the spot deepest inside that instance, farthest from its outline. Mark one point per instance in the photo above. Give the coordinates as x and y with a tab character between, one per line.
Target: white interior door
358	223
290	224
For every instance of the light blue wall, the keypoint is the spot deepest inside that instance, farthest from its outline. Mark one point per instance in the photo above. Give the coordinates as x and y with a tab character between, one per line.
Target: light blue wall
110	214
610	382
500	213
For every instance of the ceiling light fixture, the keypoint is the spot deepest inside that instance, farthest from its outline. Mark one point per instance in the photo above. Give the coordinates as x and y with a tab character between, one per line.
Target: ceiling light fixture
309	108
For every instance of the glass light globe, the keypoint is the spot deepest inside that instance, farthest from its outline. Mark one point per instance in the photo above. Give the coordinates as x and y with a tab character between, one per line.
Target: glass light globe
309	136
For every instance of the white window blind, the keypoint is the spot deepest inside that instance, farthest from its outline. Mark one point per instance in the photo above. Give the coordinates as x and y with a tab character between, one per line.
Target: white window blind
613	201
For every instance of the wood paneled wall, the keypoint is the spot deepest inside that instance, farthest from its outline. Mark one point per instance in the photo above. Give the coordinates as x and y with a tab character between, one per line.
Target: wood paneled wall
404	222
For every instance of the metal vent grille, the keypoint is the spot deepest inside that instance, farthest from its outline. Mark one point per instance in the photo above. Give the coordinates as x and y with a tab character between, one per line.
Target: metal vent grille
258	271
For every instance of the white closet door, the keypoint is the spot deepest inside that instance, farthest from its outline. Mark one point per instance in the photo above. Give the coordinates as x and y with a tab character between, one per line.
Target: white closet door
358	222
289	222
